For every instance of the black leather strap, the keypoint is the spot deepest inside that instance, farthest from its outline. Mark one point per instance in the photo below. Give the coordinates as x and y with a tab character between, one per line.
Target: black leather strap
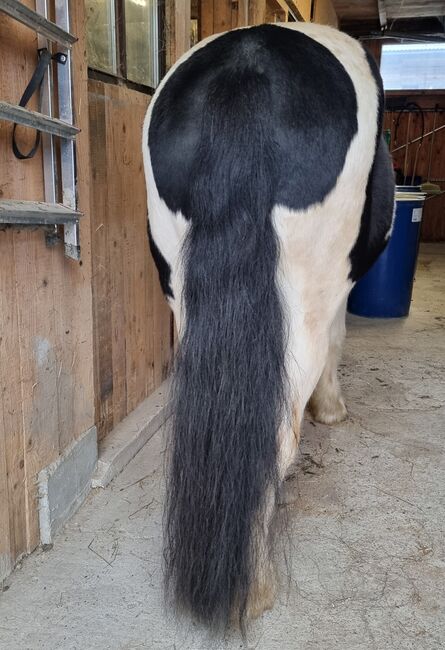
31	88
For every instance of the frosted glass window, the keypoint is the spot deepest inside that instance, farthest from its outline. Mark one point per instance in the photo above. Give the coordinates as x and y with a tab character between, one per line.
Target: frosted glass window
141	36
101	35
414	66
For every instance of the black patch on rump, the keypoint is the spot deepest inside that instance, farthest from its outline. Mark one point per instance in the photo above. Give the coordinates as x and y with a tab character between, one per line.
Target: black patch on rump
311	113
379	204
257	117
163	267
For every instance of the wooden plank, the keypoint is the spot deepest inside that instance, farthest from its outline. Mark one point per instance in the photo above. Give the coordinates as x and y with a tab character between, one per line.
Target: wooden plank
222	16
74	300
182	27
115	117
6	559
356	9
101	278
243	13
12	465
276	11
301	8
206	22
414	8
137	273
40	363
324	13
257	12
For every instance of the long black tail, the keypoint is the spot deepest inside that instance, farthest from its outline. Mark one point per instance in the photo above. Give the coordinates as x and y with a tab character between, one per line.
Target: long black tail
229	386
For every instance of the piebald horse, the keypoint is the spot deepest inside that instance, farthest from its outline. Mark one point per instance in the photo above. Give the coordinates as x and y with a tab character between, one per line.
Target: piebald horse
270	192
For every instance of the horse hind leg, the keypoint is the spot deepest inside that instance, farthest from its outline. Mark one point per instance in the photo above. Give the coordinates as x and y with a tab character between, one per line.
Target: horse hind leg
326	404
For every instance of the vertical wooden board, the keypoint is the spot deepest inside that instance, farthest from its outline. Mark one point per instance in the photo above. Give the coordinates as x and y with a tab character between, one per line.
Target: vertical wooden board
6	558
324	13
242	13
11	419
257	12
206	23
168	39
101	278
39	360
182	27
138	346
222	16
75	383
117	235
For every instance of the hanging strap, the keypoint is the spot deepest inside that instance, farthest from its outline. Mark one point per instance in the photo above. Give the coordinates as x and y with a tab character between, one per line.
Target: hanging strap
34	85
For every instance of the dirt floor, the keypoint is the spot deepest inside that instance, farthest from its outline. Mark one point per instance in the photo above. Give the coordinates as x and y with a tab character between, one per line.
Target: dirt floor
366	510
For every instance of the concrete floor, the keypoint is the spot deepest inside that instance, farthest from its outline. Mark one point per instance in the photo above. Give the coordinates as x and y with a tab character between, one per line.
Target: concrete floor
366	512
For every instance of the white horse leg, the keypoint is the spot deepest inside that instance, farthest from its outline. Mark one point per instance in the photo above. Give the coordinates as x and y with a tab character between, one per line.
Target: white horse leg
326	404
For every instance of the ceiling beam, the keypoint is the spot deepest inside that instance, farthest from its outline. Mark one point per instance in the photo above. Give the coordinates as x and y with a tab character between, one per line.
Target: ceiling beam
414	8
382	14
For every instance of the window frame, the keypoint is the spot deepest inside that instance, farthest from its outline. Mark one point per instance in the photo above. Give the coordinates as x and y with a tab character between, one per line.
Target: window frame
409	91
120	77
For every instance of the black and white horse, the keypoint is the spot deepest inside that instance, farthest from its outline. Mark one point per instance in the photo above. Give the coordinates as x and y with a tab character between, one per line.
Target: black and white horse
270	192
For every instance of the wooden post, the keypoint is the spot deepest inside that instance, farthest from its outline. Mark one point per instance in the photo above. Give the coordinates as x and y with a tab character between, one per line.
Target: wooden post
181	27
257	12
243	13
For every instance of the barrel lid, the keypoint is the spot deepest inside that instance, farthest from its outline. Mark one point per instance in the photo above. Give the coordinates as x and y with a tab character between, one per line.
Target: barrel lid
418	197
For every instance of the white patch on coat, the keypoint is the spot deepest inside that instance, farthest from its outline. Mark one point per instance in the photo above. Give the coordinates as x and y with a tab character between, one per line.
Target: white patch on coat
316	242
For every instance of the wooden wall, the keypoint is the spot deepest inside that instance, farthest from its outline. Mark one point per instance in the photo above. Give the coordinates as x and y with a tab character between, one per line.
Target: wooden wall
46	350
132	322
324	13
433	223
217	16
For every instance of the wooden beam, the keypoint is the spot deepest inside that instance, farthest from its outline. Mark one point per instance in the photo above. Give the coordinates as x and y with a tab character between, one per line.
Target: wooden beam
243	13
382	14
257	12
182	27
301	9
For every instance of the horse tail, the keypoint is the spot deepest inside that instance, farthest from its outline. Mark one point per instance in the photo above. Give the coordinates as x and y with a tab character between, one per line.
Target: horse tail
229	381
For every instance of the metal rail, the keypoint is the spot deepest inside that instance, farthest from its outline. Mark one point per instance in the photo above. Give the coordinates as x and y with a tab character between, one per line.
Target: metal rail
71	233
35	120
402	146
36	213
37	22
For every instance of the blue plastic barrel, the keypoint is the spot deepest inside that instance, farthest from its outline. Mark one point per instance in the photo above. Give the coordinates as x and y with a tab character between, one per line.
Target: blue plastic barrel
385	291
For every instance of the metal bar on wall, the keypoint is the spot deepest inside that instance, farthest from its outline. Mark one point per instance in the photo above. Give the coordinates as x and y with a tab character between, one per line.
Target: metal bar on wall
37	22
35	120
46	94
67	150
